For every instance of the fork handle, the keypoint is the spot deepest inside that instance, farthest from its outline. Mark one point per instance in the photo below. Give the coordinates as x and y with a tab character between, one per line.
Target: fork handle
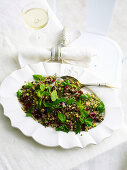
98	84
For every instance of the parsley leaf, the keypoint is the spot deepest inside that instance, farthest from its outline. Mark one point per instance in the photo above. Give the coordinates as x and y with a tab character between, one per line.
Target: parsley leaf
19	94
37	77
54	95
62	117
101	107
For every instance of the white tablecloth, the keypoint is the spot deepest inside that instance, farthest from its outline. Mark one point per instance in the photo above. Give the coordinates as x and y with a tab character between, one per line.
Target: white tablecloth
18	152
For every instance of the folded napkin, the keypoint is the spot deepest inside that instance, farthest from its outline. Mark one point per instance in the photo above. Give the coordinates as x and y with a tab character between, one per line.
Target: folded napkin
70	55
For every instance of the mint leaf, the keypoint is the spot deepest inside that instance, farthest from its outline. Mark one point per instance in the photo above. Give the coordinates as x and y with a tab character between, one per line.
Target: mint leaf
37	77
66	83
62	128
48	104
78	127
40	102
28	114
89	121
40	94
19	94
70	101
57	101
83	112
29	85
45	93
101	107
62	117
54	95
48	88
42	87
78	103
84	96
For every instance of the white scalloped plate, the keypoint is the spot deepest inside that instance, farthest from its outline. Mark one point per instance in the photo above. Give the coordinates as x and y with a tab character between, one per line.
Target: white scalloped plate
48	136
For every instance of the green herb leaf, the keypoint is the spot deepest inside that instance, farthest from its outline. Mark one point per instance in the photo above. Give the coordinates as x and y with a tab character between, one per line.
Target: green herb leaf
78	127
19	94
37	77
78	103
54	95
40	94
48	88
62	117
40	102
83	113
45	93
57	101
63	128
42	87
29	85
70	101
66	83
28	114
89	121
101	107
48	104
84	96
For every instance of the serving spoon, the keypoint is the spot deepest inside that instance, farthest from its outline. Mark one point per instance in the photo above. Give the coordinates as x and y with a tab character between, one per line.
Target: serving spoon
90	84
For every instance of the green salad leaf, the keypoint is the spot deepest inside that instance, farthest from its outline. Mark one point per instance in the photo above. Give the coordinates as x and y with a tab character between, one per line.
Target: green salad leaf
101	107
89	121
19	94
37	77
57	101
28	114
48	104
29	85
84	96
70	101
40	94
42	87
54	95
78	127
62	117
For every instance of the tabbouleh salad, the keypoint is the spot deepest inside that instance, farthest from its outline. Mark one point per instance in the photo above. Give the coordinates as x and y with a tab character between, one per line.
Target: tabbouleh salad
60	104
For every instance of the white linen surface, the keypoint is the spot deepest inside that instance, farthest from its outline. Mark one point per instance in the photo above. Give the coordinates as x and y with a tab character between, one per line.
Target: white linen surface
18	152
